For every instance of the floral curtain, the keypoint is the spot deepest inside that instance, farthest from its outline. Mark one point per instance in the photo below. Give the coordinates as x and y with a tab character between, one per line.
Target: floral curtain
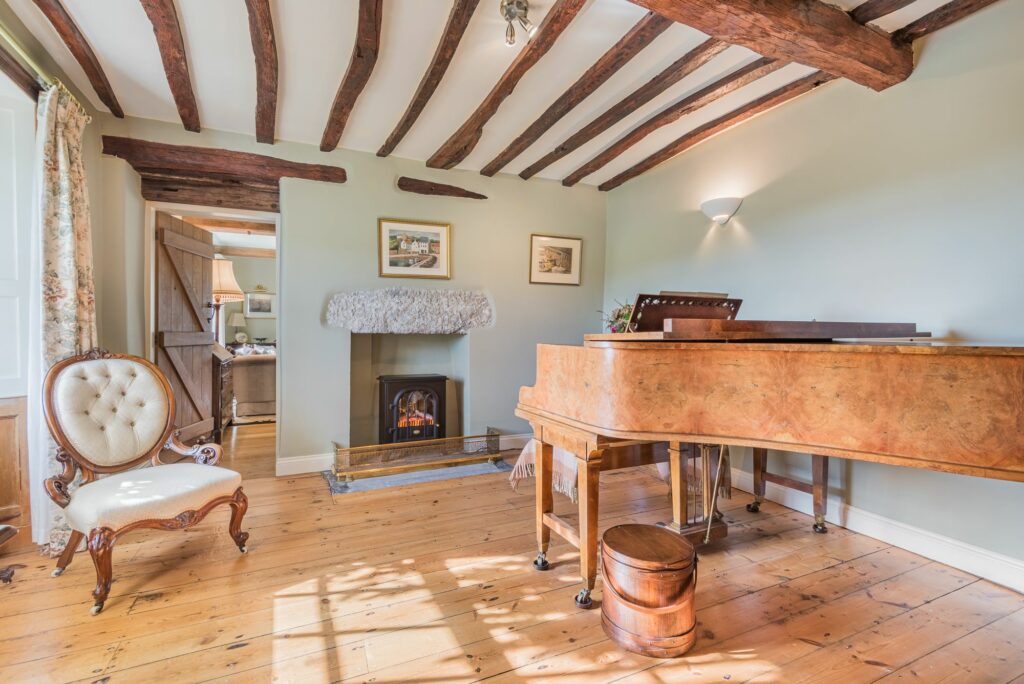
67	307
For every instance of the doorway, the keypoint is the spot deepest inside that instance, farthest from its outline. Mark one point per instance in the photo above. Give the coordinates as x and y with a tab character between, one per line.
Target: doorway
212	314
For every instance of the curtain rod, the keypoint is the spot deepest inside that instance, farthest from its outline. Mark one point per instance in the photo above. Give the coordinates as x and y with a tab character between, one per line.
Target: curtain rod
40	75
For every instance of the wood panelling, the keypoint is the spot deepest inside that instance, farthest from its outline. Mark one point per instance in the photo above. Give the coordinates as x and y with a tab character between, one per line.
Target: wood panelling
462	141
360	67
454	29
80	49
14	502
813	33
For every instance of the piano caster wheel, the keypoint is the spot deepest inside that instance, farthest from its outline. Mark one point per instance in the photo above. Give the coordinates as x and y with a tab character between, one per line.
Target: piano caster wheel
754	507
541	563
95	610
820	528
57	572
583	599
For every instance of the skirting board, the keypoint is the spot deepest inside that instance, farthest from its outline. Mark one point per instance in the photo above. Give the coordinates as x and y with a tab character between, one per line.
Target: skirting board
995	567
317	463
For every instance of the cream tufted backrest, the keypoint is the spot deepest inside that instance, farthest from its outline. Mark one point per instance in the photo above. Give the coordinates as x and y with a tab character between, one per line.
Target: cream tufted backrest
112	411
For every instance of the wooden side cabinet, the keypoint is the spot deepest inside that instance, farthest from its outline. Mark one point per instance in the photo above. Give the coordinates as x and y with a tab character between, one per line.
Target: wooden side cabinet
14	506
223	391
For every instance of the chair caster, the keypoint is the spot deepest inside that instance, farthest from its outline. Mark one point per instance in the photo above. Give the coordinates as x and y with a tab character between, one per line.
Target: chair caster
754	507
95	610
541	563
57	572
820	528
583	599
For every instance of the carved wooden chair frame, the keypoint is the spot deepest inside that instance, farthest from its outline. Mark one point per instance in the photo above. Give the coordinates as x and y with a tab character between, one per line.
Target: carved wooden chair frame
101	540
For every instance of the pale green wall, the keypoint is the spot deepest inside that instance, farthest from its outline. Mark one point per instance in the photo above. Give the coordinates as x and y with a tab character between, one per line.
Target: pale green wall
328	244
250	272
904	205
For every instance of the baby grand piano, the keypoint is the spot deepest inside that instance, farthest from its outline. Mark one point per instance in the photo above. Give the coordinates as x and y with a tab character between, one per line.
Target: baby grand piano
768	385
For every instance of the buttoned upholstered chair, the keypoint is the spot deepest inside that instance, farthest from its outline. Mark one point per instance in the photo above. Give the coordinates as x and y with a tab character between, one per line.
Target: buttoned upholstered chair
109	414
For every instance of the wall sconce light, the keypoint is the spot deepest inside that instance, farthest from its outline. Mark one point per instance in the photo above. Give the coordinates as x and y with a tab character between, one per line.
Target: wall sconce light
722	209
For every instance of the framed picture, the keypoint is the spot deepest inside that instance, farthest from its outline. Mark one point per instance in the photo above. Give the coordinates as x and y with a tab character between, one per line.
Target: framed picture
555	260
260	304
413	249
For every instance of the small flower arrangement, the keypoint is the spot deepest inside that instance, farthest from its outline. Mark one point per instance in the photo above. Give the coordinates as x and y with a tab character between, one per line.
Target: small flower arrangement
618	319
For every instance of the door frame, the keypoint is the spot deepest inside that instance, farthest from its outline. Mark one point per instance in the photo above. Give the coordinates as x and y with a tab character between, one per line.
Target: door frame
149	279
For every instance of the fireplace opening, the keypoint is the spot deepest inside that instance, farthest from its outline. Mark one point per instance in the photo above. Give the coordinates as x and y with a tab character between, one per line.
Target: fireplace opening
412	407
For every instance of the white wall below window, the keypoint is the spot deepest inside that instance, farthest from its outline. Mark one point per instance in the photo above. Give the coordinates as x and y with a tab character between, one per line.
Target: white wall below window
904	205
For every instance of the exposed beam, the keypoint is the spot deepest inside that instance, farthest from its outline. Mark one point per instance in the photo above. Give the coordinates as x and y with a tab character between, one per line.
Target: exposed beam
940	18
810	32
258	252
80	49
364	58
458	20
19	75
876	9
706	95
264	49
232	226
213	162
425	187
675	72
167	30
628	47
462	142
226	195
701	133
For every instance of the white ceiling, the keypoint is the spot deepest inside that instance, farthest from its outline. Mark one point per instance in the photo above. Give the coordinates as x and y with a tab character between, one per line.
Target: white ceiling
314	40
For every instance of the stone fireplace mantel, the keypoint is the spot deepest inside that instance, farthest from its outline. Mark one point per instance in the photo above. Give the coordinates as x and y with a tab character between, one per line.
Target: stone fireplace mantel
406	310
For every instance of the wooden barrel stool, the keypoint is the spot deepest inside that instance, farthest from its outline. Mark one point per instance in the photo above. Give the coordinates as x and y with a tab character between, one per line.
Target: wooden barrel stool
650	574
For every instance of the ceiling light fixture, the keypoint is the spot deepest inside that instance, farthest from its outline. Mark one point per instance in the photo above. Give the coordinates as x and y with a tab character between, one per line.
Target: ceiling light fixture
722	209
513	11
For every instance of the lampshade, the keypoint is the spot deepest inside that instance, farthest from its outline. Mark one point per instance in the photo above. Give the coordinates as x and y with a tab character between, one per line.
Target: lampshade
225	287
236	320
722	209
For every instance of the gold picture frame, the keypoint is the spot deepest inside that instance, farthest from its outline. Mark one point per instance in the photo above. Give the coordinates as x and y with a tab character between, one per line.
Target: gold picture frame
569	255
413	242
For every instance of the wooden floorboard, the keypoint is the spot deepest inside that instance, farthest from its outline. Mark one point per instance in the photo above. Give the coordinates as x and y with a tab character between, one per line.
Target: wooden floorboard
433	583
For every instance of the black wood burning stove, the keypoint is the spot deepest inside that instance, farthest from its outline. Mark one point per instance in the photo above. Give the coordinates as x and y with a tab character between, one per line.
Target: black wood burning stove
411	407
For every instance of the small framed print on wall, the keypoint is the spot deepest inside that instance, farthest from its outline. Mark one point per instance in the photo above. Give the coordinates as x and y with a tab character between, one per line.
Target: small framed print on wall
413	249
260	304
555	260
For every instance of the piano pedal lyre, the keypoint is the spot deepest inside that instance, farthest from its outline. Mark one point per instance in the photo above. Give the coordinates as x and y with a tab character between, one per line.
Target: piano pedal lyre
696	473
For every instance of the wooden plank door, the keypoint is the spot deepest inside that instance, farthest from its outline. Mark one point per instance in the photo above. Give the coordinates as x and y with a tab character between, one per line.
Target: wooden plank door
184	334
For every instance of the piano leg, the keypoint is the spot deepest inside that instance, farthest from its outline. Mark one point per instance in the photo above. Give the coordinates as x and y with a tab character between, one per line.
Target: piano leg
543	464
760	468
819	470
588	478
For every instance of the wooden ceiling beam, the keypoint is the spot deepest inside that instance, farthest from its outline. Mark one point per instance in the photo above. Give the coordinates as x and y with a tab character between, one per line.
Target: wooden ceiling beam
360	67
167	30
257	252
425	187
628	47
940	18
225	195
810	32
80	49
454	29
876	9
19	75
727	84
675	72
217	163
462	142
701	133
232	226
264	48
